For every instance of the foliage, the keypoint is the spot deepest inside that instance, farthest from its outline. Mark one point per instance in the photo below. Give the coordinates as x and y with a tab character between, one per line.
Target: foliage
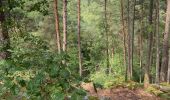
34	69
105	80
153	90
34	72
158	92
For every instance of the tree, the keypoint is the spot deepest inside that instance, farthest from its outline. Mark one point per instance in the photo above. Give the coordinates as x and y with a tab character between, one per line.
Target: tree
57	25
79	41
124	37
64	25
149	44
4	37
141	40
168	75
164	66
131	18
157	42
107	36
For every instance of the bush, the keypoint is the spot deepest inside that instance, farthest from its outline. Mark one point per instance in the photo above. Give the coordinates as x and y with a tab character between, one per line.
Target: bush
34	72
105	80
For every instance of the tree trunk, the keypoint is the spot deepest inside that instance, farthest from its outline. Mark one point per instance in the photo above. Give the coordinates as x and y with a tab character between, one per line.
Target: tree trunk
164	89
164	66
168	76
157	42
141	55
147	67
79	41
133	32
124	38
141	43
64	25
129	47
107	37
57	25
131	19
4	37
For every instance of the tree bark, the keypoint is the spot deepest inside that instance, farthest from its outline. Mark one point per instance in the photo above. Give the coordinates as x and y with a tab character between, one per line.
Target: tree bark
164	66
141	55
150	38
57	26
79	40
129	45
131	19
141	43
64	25
124	38
133	32
168	76
107	37
157	43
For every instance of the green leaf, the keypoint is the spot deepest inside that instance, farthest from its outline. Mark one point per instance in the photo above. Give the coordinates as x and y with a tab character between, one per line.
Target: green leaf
64	73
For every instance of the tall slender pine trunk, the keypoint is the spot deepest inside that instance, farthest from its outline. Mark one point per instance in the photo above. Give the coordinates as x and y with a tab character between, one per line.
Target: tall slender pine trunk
79	40
129	43
57	26
107	37
165	53
133	32
64	25
149	47
157	43
131	19
124	38
141	43
141	55
168	75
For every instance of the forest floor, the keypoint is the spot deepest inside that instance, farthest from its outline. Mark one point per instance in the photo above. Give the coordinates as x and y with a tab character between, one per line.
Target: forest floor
120	93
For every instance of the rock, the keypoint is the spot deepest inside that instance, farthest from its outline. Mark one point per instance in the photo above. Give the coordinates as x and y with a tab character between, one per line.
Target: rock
104	98
89	87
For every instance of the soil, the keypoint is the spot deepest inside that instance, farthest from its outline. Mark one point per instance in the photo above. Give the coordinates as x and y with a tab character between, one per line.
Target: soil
120	93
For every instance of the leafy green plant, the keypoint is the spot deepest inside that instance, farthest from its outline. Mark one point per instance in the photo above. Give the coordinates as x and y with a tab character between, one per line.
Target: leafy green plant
106	80
153	90
34	72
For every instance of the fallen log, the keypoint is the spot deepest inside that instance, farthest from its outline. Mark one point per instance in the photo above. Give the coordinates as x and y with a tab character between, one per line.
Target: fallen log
162	88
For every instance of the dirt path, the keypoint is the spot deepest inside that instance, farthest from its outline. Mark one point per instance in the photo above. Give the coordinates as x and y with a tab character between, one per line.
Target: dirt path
119	94
125	94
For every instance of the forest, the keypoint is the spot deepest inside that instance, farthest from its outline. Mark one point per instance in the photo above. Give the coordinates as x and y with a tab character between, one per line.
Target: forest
84	49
